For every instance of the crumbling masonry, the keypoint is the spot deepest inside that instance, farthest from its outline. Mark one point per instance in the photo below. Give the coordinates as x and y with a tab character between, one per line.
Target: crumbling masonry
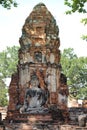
38	89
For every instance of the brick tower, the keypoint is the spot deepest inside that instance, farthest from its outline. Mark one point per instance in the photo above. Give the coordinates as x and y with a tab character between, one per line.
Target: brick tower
38	88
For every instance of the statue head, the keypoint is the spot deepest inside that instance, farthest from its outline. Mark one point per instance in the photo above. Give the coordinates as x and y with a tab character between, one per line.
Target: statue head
34	81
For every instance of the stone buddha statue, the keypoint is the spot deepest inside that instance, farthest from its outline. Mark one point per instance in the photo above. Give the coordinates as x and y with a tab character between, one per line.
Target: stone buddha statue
35	97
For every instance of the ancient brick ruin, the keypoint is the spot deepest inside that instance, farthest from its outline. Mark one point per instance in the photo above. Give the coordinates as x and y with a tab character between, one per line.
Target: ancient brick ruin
38	90
39	69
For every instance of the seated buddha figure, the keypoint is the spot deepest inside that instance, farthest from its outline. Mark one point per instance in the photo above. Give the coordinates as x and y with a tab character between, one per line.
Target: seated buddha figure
35	97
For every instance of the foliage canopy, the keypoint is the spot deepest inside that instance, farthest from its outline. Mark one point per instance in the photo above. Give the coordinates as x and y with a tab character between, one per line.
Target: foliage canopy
8	62
76	71
77	6
8	3
3	93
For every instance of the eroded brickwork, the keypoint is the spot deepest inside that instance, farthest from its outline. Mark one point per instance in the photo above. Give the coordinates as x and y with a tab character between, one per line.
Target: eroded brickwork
39	64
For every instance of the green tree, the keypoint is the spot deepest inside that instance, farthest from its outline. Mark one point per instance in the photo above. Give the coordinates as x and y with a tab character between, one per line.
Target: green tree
8	3
8	61
76	71
77	6
3	93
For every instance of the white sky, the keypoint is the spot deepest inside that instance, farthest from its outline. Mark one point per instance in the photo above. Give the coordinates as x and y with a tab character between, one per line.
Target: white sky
11	22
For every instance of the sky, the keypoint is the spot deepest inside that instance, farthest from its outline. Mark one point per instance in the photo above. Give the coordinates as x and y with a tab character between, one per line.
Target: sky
70	27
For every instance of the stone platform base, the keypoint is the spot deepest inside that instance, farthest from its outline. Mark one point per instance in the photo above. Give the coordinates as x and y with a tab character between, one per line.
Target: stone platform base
27	118
26	126
37	118
70	127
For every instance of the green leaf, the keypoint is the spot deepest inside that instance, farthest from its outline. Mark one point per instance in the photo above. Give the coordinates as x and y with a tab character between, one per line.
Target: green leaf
84	37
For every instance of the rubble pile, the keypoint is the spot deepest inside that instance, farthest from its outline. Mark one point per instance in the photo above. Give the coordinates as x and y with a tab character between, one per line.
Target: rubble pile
75	112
